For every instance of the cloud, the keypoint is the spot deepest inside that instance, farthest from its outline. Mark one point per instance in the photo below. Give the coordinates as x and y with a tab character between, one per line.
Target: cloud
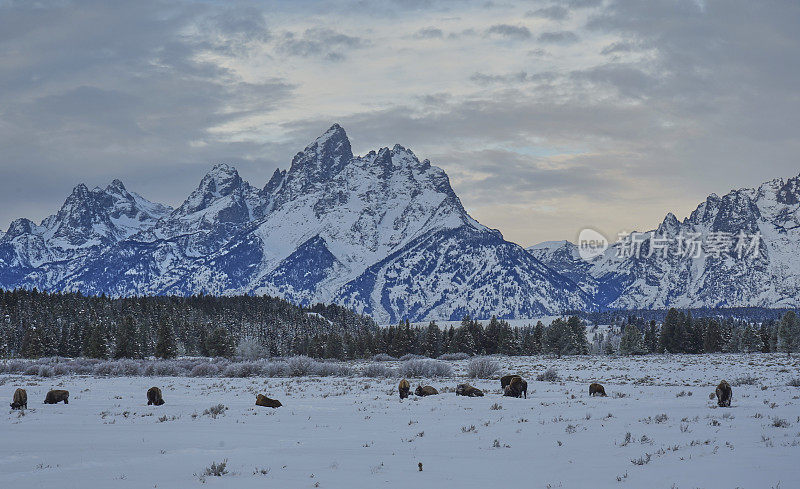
429	33
558	37
319	42
553	12
509	31
626	111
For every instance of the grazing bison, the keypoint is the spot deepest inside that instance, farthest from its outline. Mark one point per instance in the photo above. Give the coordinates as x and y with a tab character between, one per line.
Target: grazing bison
404	388
596	389
425	391
517	387
724	394
506	379
56	396
262	400
154	396
20	400
468	390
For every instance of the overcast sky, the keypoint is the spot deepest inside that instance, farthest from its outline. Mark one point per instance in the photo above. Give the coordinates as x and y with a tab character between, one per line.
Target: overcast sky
548	116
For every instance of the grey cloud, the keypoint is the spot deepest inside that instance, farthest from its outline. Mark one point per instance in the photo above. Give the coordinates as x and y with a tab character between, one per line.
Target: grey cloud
558	37
509	31
322	42
429	33
553	12
519	77
620	47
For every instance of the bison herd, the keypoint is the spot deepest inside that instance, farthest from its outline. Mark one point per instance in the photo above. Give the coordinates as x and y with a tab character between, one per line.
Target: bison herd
515	386
511	386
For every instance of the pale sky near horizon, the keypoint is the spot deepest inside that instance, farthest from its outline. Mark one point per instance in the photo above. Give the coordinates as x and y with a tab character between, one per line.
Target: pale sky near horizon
548	116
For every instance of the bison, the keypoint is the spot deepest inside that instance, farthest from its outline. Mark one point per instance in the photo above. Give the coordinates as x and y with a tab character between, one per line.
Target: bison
56	396
596	389
154	396
404	388
425	391
517	387
506	379
468	390
20	400
262	400
724	394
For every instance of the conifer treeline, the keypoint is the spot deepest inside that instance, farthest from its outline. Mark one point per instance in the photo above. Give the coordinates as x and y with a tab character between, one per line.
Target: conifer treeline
682	333
36	324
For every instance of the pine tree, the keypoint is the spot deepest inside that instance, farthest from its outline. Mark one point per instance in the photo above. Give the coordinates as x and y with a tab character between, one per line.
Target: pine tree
789	333
651	338
166	344
431	346
33	345
334	347
631	341
220	343
750	340
127	345
95	344
463	342
579	345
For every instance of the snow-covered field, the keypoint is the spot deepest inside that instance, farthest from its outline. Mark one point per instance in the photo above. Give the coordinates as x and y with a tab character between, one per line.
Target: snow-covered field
657	428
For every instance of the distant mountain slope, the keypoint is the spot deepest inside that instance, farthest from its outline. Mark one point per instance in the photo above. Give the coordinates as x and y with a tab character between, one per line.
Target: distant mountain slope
662	279
383	233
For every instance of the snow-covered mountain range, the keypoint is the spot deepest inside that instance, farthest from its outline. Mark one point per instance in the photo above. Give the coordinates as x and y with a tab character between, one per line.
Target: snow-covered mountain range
383	233
763	272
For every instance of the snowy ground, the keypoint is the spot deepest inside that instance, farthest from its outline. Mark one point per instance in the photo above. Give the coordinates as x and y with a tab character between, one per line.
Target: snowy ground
656	429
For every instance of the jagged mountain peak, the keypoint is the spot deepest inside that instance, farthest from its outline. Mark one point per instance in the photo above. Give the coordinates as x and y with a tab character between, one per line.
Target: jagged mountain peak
221	181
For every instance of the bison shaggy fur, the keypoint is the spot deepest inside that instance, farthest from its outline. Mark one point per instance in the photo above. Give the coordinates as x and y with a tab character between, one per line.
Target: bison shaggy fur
517	387
426	391
262	400
154	396
724	394
596	389
20	400
468	391
404	388
56	396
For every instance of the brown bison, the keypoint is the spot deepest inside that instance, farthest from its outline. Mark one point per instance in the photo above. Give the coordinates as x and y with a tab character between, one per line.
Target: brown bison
724	394
596	389
404	388
425	391
468	390
56	396
517	387
20	400
262	400
154	396
506	379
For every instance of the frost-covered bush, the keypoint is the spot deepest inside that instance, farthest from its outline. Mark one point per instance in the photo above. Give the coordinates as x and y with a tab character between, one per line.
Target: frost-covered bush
63	368
425	368
411	356
331	369
250	349
15	366
482	368
376	370
276	369
453	356
166	368
794	382
46	371
383	357
243	369
204	370
550	375
300	366
118	368
745	380
32	370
